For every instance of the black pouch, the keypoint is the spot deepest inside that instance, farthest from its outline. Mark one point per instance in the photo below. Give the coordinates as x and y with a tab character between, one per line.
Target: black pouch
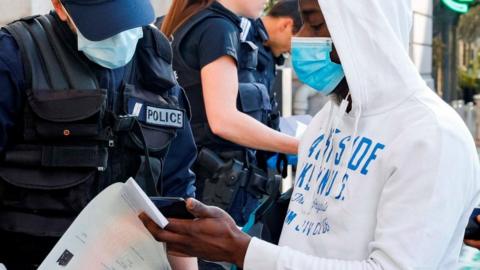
247	61
257	182
249	55
254	100
65	114
44	201
46	191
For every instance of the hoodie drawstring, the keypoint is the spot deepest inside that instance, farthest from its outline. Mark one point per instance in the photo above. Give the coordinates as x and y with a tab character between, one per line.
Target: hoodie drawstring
349	153
335	115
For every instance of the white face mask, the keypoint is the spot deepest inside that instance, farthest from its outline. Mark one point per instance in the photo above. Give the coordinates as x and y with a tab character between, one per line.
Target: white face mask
113	52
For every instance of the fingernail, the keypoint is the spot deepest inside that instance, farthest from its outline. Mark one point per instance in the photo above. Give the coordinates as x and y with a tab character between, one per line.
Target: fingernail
190	203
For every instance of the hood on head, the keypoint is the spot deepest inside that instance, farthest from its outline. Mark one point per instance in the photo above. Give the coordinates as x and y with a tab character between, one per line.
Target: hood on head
372	40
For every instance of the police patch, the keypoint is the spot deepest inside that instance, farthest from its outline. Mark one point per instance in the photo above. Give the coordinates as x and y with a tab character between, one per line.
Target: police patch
164	117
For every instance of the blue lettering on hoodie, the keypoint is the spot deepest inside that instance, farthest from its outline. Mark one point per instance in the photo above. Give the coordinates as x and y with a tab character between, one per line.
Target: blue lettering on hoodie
332	180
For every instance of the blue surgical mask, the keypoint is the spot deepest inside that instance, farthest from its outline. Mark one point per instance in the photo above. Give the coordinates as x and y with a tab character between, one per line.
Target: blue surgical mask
113	52
313	65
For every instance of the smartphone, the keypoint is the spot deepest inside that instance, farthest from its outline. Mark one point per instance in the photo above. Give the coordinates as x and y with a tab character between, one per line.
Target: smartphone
172	207
473	228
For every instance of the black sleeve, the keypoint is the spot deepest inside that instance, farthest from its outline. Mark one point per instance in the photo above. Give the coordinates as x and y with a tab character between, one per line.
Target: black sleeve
219	37
11	87
178	179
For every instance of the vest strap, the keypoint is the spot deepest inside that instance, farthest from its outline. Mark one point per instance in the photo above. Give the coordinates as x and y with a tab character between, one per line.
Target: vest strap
59	156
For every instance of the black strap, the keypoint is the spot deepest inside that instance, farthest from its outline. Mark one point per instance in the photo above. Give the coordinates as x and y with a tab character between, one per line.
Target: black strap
77	72
71	156
150	181
49	62
282	165
29	53
267	205
54	69
59	156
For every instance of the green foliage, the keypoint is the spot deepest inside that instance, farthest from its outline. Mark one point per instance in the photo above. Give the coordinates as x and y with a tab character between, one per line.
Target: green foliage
269	5
469	25
468	30
469	78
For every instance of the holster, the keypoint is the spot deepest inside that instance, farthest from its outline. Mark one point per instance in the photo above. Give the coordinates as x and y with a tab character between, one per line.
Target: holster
228	177
224	181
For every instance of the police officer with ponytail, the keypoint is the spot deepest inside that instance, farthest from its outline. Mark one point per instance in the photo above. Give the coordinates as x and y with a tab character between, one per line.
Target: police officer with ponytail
230	107
87	98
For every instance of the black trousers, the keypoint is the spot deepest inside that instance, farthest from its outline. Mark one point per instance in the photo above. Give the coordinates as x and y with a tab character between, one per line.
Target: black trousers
24	252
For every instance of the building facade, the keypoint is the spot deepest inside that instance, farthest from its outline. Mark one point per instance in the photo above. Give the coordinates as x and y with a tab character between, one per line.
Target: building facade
421	38
420	49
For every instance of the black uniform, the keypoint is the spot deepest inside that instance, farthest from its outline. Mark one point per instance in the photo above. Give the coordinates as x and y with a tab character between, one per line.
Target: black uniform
227	175
72	128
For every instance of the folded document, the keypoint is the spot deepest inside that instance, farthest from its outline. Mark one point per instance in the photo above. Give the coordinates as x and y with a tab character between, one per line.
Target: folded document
107	235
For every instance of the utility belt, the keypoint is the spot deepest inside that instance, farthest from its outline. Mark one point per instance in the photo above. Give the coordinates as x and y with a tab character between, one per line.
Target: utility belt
228	173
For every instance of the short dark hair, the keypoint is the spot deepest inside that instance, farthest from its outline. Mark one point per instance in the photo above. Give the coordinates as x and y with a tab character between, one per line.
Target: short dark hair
287	8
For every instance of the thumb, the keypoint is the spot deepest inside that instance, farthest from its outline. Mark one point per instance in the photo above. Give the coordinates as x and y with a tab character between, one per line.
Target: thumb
200	210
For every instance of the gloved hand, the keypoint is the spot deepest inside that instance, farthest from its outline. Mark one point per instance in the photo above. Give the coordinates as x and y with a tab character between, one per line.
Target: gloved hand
280	162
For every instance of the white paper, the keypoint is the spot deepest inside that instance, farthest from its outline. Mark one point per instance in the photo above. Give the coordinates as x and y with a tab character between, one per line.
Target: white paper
108	235
295	125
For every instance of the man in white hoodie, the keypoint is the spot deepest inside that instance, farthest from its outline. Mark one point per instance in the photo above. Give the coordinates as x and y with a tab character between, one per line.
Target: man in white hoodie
396	196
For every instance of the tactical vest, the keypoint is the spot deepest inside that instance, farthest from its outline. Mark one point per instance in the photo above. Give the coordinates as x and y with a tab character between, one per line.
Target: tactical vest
253	98
78	138
264	72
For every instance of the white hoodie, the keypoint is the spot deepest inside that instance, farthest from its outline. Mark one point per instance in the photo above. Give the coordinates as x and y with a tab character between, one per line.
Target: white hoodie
401	195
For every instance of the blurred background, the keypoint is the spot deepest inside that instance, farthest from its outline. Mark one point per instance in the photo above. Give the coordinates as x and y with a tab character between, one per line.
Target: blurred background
445	47
445	44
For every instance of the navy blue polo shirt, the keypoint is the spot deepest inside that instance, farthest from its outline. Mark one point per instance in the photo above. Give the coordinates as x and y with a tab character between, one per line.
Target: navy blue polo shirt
178	180
212	39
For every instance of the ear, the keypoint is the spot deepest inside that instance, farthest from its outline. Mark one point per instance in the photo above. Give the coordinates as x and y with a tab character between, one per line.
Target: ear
286	24
61	12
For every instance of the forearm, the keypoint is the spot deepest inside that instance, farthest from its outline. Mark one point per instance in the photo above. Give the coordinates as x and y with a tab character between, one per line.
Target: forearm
242	129
263	255
183	263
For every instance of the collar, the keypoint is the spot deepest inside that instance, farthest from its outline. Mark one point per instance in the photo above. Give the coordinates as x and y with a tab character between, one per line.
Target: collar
260	32
219	8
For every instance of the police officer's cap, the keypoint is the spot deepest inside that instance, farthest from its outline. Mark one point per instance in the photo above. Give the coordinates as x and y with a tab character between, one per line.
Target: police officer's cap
101	19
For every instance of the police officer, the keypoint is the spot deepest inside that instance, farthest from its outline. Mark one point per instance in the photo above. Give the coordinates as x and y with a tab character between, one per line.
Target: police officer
84	102
228	117
272	35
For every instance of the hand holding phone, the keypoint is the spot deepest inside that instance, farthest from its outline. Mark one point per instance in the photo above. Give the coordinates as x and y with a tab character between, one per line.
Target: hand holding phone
172	207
